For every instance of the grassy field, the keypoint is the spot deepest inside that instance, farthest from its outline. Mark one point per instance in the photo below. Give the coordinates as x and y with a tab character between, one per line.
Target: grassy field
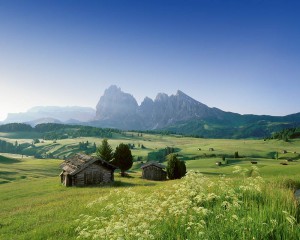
34	205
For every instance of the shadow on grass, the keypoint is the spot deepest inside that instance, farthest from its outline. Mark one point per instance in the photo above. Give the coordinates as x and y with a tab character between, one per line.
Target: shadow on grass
211	173
5	160
233	162
6	176
5	173
4	181
127	184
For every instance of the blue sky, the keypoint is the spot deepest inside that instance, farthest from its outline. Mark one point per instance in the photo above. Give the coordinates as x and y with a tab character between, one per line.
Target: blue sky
241	56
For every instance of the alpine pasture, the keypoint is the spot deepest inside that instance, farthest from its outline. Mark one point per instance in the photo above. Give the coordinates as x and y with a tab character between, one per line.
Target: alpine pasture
236	200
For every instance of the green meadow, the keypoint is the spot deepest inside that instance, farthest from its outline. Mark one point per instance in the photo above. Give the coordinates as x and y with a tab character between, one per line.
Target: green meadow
229	201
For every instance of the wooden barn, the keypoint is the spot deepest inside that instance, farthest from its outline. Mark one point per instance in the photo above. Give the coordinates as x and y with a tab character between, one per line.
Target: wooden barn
82	170
154	171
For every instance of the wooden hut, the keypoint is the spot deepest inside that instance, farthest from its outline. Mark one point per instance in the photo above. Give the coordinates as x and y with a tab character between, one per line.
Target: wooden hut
82	170
154	171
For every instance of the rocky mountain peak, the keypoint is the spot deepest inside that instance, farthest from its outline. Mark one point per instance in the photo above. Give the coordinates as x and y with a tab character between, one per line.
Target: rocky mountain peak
147	101
161	97
180	93
115	104
119	109
113	89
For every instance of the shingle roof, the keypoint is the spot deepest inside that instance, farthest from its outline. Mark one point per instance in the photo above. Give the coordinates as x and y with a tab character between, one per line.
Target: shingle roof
153	164
81	161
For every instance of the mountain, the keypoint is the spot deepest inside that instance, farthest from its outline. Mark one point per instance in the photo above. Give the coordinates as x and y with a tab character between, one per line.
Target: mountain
120	110
117	109
33	123
177	113
182	114
52	114
168	110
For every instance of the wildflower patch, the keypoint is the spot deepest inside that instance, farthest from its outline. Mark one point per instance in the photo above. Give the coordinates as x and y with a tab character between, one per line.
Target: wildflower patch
197	207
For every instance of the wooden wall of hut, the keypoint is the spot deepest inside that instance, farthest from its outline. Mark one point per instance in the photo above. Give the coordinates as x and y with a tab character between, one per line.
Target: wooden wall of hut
154	173
93	174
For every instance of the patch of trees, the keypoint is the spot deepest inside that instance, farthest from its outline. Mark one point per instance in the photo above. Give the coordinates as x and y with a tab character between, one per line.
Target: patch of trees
62	131
162	132
131	146
286	134
15	127
161	154
121	158
53	131
7	147
87	147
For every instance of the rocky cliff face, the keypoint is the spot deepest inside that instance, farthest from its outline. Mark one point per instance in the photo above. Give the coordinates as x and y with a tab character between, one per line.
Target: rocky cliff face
115	103
118	109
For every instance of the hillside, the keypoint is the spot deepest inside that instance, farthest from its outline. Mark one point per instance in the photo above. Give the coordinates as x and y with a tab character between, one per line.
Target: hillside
286	134
42	140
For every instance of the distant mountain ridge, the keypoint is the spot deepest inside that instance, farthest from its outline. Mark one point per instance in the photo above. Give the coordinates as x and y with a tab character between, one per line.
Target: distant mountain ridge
177	113
52	114
122	110
182	114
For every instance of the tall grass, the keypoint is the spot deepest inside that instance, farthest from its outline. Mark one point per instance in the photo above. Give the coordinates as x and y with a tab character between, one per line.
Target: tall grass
196	207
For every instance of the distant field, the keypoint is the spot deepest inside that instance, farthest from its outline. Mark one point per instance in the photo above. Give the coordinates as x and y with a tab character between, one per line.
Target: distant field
195	151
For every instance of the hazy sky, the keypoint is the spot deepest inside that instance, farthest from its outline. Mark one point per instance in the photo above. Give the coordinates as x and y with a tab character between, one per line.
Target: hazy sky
241	56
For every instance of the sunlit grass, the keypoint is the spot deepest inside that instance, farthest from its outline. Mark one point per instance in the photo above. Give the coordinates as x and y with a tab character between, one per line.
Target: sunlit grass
35	206
196	207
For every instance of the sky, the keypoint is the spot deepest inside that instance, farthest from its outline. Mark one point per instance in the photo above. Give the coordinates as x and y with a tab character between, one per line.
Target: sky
241	56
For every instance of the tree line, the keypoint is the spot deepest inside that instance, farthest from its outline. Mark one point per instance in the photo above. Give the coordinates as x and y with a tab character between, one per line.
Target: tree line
286	134
51	131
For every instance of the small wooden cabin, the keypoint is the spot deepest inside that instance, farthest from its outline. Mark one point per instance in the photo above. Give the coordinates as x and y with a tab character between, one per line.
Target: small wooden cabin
154	171
82	170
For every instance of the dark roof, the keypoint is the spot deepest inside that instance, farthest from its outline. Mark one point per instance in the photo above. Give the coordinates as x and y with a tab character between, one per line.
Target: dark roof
81	161
153	164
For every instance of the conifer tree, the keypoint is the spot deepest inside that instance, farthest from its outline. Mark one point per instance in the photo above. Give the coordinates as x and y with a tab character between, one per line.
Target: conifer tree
105	151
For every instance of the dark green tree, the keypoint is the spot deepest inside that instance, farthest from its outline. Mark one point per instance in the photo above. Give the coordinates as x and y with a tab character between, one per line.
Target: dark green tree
123	158
94	147
105	151
175	168
182	168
